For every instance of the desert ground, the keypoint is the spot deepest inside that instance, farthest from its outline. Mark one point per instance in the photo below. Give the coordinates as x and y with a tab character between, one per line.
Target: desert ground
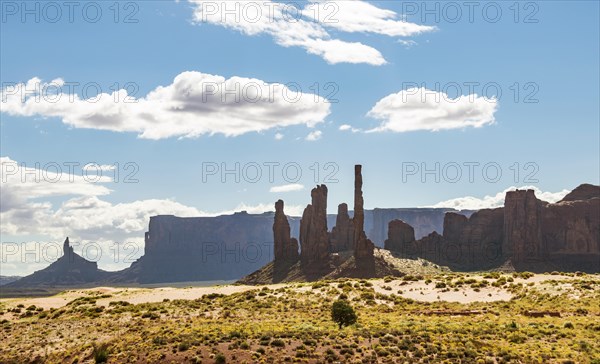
443	317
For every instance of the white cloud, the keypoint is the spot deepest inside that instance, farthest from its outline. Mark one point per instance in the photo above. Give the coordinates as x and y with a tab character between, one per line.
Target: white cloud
346	127
194	104
278	136
314	136
83	214
421	109
497	200
20	183
361	17
306	28
287	188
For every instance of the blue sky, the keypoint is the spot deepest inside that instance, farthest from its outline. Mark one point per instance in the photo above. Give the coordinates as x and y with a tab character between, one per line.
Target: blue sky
557	57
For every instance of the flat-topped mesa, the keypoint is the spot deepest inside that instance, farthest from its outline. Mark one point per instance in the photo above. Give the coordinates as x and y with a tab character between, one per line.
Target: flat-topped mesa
363	247
342	234
285	247
523	226
314	238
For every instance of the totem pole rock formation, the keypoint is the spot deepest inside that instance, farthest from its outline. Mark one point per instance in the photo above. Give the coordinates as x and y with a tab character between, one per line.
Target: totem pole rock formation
314	238
285	247
342	234
363	247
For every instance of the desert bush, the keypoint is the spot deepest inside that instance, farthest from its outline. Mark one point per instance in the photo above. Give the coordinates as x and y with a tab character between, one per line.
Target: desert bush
100	353
342	313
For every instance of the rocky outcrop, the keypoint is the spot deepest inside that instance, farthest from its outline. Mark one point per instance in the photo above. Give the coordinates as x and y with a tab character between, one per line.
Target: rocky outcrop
70	269
399	235
423	220
523	226
314	239
363	247
467	243
571	233
528	233
285	250
342	234
474	242
583	192
454	225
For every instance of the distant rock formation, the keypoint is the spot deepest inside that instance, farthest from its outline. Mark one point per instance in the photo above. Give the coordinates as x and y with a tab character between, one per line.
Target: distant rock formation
423	220
285	249
68	270
314	239
8	279
342	234
399	234
529	233
224	247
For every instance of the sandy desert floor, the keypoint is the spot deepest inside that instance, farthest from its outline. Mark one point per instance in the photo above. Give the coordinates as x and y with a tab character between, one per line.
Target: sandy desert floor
445	317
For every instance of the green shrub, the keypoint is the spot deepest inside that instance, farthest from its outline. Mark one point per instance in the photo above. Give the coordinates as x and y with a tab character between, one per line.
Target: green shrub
100	353
220	359
342	313
278	343
183	346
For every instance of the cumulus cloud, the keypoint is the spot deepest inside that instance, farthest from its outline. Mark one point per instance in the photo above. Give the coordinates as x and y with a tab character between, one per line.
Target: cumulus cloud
83	213
362	17
287	188
422	109
314	136
346	127
497	200
278	136
193	105
20	183
307	27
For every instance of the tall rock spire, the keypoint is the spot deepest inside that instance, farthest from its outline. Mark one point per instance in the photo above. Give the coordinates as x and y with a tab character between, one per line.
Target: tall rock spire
67	249
285	247
363	247
314	239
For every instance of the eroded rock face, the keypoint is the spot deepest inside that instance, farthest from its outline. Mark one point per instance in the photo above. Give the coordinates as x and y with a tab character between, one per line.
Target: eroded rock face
363	247
342	234
583	192
467	243
523	226
474	242
572	227
399	235
454	225
285	247
423	220
223	247
314	239
530	233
